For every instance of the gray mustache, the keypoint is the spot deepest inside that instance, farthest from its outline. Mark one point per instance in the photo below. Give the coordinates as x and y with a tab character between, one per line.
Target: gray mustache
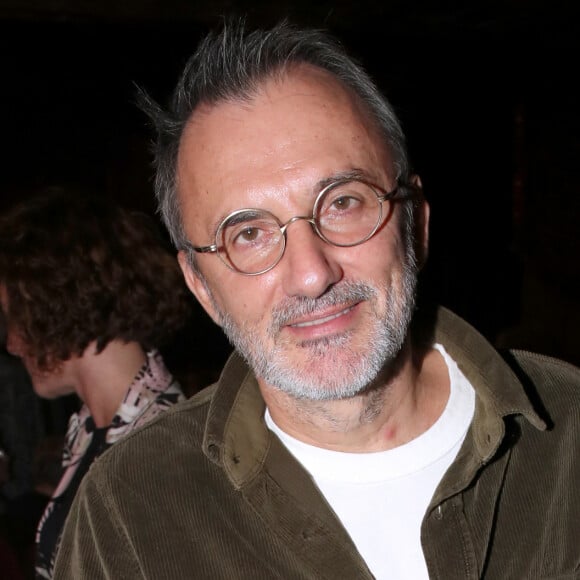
343	293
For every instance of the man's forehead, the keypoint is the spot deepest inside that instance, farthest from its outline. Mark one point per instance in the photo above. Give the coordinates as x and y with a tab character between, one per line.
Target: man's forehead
277	102
299	80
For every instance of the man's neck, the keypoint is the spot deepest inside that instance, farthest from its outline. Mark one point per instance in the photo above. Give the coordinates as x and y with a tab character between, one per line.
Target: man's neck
389	414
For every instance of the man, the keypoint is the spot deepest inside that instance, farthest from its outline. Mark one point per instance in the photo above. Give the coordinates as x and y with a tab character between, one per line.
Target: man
334	445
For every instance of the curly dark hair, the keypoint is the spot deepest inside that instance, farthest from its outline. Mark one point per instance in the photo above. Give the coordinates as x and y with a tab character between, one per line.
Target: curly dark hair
79	268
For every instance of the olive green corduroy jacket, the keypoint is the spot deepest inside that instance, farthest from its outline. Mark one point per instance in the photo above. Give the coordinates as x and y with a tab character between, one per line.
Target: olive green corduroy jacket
207	491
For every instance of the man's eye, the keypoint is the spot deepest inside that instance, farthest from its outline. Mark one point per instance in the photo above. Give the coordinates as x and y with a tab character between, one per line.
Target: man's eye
248	234
342	205
344	202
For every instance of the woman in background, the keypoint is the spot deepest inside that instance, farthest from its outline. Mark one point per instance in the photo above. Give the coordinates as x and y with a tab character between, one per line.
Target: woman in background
89	292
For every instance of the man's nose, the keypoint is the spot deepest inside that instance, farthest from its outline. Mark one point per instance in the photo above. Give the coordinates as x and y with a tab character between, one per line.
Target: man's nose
309	267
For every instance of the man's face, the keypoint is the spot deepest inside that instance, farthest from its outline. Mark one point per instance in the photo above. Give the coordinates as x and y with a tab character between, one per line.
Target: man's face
324	321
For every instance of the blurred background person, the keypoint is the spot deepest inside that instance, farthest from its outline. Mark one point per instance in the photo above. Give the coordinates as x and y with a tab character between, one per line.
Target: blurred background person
89	293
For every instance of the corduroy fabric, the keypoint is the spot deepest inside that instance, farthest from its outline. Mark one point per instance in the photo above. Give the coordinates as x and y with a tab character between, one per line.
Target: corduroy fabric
207	491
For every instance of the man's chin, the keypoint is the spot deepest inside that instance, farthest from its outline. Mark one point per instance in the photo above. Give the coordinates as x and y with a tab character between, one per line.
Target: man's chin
319	380
318	372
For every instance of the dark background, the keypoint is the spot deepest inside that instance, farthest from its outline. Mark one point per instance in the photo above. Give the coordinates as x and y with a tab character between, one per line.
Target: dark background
486	91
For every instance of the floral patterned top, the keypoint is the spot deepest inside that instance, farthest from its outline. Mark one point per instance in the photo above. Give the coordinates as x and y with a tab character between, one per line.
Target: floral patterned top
153	390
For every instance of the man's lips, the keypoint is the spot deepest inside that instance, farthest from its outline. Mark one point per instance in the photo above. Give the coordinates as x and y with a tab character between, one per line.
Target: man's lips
323	319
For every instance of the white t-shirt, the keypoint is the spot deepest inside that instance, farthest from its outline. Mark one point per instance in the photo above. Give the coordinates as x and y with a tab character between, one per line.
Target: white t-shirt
381	497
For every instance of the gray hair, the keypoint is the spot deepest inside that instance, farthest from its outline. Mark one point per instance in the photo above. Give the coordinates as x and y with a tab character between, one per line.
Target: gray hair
232	65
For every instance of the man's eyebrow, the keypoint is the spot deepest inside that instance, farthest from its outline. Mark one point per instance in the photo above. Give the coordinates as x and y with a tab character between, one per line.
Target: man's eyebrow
340	175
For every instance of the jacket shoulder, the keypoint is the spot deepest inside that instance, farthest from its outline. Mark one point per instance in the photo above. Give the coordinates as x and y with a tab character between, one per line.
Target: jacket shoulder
545	368
549	382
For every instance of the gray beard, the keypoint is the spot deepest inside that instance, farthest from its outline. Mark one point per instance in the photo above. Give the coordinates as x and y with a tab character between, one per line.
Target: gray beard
335	367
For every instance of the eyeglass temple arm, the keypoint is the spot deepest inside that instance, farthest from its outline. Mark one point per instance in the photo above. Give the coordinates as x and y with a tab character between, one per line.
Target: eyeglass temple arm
201	249
404	190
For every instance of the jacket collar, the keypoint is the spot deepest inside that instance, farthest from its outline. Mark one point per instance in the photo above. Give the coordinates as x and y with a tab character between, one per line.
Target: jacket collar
499	392
236	436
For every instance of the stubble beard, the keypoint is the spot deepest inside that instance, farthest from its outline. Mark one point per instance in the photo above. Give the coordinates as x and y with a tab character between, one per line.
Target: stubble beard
338	366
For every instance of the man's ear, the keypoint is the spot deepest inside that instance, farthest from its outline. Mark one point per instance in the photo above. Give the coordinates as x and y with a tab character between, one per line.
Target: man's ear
197	286
422	214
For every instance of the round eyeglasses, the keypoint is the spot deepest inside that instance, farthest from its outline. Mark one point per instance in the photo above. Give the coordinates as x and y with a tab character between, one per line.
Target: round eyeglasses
347	212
